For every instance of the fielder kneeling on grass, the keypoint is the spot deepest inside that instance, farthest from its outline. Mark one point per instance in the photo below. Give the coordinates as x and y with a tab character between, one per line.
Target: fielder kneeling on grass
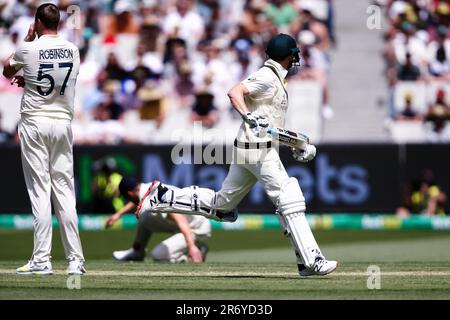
189	232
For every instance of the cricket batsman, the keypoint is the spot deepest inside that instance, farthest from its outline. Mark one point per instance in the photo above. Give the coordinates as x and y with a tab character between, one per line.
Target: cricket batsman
50	68
262	101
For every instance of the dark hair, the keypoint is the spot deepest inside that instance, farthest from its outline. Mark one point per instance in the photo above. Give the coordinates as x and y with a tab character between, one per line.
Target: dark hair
441	55
48	14
127	184
427	176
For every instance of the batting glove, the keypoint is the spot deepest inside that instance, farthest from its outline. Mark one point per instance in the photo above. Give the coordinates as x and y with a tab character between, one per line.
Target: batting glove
257	123
304	155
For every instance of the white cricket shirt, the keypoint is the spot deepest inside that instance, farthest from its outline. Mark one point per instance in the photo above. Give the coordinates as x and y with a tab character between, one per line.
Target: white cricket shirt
50	66
267	96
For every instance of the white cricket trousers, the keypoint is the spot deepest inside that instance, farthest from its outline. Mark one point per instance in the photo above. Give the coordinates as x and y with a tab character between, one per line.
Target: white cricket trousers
47	162
248	167
173	249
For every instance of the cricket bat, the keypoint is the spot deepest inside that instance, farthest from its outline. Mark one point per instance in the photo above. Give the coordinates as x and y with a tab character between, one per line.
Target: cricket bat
289	138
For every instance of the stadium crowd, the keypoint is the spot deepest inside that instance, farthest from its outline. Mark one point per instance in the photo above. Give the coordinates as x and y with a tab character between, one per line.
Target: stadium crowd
417	56
146	61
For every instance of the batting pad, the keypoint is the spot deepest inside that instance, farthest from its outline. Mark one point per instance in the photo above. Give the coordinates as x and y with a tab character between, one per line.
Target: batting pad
292	215
191	200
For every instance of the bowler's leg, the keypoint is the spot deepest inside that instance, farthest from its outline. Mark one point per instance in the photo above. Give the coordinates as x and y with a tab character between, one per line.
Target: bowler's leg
63	191
35	166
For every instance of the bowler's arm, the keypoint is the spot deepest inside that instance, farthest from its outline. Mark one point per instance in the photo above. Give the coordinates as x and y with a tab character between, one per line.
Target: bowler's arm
8	70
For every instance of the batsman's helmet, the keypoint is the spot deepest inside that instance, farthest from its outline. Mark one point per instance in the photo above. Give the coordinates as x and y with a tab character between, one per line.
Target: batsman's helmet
281	46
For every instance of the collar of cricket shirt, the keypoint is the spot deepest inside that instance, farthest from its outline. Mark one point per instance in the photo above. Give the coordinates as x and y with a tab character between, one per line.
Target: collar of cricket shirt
49	35
282	72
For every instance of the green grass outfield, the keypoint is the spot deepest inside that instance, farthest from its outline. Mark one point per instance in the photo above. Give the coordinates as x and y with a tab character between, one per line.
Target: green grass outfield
240	265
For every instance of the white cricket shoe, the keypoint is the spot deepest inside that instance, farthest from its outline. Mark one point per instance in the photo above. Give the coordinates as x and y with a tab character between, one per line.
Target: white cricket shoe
76	267
320	268
32	267
129	255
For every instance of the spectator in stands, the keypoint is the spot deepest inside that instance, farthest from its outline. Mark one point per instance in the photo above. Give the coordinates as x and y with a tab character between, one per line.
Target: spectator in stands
175	49
5	136
439	17
242	41
95	95
122	45
184	86
281	13
150	60
9	44
89	69
91	24
184	22
248	59
104	130
314	67
21	18
440	64
438	116
151	15
423	197
317	58
203	109
209	10
330	22
108	108
389	55
409	41
240	68
441	38
128	98
243	49
122	22
309	22
417	48
439	55
154	103
208	37
408	71
212	71
9	11
408	113
113	69
253	21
